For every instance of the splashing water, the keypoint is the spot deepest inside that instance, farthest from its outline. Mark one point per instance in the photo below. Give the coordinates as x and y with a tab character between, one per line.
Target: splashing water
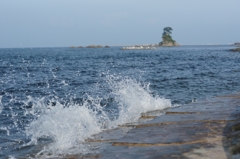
134	98
1	105
68	126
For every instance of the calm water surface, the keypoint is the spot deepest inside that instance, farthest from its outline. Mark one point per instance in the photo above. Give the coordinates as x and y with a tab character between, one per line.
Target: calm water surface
52	99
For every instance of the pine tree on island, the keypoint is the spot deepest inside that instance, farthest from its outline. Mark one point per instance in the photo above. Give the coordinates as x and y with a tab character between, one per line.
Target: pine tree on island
167	38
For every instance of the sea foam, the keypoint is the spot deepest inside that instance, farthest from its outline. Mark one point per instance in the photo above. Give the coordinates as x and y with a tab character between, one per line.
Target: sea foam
68	126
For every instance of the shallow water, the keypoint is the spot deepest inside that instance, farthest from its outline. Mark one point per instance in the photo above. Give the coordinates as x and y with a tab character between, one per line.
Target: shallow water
52	99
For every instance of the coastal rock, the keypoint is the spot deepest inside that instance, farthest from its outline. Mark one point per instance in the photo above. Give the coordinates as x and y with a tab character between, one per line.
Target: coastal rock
202	130
107	46
235	50
237	44
166	43
167	38
94	46
140	47
76	47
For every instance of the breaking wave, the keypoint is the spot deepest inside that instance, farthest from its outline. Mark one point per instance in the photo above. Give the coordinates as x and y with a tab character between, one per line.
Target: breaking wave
67	126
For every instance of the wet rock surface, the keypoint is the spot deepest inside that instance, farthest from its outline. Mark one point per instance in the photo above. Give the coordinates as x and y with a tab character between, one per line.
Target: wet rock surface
202	130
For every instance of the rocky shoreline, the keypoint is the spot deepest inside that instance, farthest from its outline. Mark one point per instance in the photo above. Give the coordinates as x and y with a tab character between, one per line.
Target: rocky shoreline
203	130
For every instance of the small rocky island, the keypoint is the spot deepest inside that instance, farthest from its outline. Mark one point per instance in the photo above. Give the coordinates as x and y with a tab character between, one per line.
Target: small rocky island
91	46
94	46
167	38
166	41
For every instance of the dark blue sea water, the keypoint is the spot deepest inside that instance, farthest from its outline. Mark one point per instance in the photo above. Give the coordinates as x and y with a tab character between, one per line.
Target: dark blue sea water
52	99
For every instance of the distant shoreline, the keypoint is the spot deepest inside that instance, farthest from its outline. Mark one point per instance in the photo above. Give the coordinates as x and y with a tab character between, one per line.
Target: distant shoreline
154	45
112	46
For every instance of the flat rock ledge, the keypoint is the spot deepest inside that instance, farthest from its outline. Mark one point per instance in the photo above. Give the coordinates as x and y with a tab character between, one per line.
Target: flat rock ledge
207	129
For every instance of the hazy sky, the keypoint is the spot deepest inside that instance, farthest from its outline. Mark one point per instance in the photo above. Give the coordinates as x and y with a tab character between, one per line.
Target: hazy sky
57	23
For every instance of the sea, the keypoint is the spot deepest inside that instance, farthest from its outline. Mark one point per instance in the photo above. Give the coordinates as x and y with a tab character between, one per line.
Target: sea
53	99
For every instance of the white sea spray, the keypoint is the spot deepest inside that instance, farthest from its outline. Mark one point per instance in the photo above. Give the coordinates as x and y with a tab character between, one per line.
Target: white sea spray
1	105
68	126
134	98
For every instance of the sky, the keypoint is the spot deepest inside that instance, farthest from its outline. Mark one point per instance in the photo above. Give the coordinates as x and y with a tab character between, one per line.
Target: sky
62	23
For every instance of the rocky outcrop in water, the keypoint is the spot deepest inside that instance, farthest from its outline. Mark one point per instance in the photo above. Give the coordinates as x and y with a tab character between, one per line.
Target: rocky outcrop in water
91	46
235	50
168	43
76	47
237	44
167	38
140	47
94	46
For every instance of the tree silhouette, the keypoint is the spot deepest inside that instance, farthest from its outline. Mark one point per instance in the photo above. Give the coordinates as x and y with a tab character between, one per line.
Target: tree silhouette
167	31
167	38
